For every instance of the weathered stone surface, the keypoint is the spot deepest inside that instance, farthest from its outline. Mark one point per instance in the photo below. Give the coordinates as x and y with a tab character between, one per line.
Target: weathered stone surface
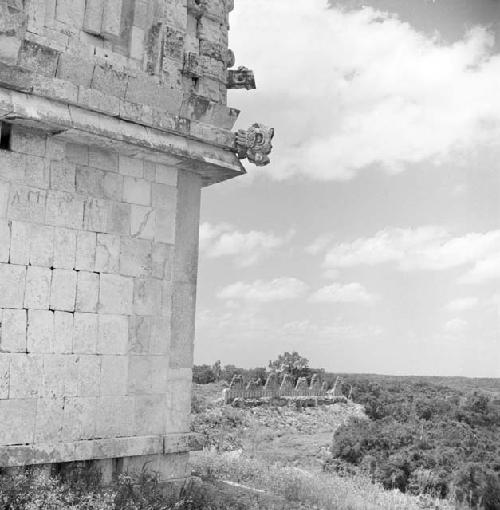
112	334
63	290
38	280
12	285
115	294
13	337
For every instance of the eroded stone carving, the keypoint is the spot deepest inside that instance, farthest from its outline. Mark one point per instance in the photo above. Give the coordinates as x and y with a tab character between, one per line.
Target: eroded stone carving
255	144
241	78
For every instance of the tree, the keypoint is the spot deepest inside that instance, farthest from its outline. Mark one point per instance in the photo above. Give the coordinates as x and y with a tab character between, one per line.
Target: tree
217	370
291	363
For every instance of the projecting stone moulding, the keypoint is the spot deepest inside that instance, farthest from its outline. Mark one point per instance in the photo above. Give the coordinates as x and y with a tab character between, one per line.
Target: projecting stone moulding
113	117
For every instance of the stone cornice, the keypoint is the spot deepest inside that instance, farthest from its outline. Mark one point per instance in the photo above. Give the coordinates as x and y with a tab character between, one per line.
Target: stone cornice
78	125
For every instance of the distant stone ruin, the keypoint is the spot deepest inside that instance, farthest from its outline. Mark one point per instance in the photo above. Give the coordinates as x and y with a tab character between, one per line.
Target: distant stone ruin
113	117
272	390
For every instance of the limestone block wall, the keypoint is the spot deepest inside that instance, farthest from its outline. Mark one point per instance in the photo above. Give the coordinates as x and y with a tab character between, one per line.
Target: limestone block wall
98	259
113	116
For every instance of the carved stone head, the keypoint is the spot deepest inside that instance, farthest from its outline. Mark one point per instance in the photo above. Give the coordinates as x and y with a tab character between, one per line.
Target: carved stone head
255	144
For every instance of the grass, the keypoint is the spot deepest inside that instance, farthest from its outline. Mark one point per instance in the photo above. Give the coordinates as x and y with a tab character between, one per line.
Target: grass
311	490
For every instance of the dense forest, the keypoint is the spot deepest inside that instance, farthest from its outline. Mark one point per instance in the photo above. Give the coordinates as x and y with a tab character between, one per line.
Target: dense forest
424	437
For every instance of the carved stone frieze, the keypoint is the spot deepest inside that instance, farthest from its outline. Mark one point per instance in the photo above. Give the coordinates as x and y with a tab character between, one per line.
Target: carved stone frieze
241	78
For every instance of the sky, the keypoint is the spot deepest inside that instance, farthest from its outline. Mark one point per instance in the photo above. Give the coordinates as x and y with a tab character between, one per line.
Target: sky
371	243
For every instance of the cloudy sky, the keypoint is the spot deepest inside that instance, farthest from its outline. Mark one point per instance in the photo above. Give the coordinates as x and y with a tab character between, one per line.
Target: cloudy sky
372	241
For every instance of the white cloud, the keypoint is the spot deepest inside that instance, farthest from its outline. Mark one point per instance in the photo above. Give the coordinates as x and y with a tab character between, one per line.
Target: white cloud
247	248
260	291
360	88
320	244
455	326
462	304
343	293
429	248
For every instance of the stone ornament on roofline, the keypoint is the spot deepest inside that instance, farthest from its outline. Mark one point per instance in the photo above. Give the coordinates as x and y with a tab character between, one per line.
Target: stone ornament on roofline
255	144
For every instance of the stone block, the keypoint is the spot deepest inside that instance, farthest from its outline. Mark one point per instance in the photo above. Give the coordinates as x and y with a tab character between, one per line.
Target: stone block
64	248
159	371
77	154
38	58
55	150
165	224
63	332
27	204
112	186
149	171
164	196
95	100
41	246
109	80
112	336
104	160
85	333
149	415
167	290
137	36
139	375
79	71
183	314
37	172
63	290
53	88
94	12
139	334
13	337
79	418
89	181
85	251
20	243
13	166
162	260
115	294
27	141
49	420
26	373
12	285
187	228
87	292
4	241
88	375
96	214
71	12
37	295
143	89
107	253
177	401
160	336
40	338
4	198
142	222
119	219
62	176
19	428
111	21
55	375
137	191
114	375
4	374
147	296
64	209
135	257
114	416
132	167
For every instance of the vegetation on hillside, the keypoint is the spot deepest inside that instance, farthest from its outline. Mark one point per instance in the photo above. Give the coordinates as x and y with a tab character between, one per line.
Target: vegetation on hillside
424	438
